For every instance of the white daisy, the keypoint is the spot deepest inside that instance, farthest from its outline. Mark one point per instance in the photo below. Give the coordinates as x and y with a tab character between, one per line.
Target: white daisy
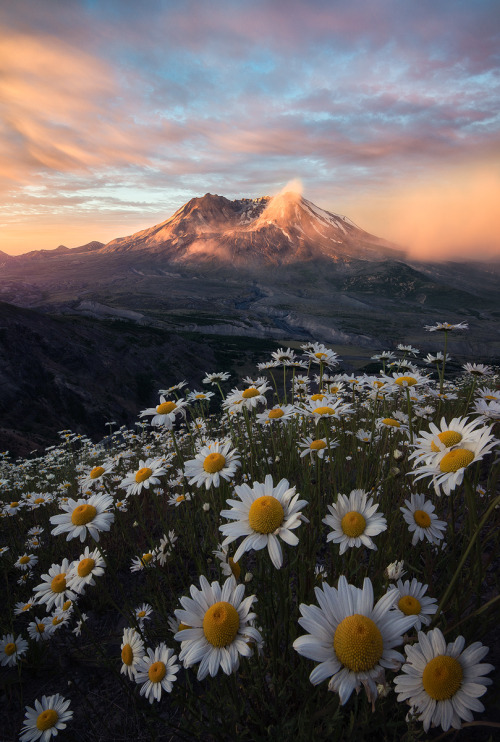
143	613
446	327
354	520
200	396
95	476
164	550
12	649
319	353
54	590
278	414
227	564
247	398
220	627
156	670
132	651
41	629
46	719
263	513
487	410
458	432
352	639
24	606
146	475
442	682
448	467
395	570
477	369
90	564
412	601
84	517
422	520
213	461
328	408
316	446
141	562
165	413
26	562
216	377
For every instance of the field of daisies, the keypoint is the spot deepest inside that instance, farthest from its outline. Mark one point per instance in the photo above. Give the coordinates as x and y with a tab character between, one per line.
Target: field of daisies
301	553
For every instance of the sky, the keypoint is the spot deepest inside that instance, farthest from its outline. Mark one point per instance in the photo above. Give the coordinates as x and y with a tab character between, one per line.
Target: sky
113	114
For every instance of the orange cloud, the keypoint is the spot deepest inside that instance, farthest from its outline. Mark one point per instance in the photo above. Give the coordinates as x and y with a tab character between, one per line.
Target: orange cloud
452	215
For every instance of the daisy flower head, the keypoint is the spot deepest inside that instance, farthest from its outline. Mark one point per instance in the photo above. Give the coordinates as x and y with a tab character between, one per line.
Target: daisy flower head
446	327
352	638
143	613
90	564
132	651
165	549
458	432
411	600
407	381
422	520
156	670
165	413
328	407
46	719
395	570
316	446
220	627
487	410
54	590
278	414
447	468
248	398
11	650
84	517
443	681
41	629
142	562
26	562
95	476
200	396
477	369
319	353
354	520
216	377
283	357
227	564
147	474
214	461
24	606
263	513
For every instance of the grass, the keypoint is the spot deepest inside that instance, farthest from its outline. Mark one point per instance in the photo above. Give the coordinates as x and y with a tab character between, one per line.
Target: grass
160	540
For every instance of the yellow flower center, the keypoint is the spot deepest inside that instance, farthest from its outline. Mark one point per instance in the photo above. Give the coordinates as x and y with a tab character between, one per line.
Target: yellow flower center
57	620
317	397
378	384
442	677
392	422
58	584
9	649
221	623
40	627
266	514
26	606
200	396
317	445
46	720
324	411
165	407
235	567
97	472
320	355
180	498
275	414
24	560
358	643
85	567
457	459
83	514
448	438
353	524
141	614
66	605
146	558
157	672
409	605
143	474
127	655
39	500
214	462
422	518
405	381
14	504
251	392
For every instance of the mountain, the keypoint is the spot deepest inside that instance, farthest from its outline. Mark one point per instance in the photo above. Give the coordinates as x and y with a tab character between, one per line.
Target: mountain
259	232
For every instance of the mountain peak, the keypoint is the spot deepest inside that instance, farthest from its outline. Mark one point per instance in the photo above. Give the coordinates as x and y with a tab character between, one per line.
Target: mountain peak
282	229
